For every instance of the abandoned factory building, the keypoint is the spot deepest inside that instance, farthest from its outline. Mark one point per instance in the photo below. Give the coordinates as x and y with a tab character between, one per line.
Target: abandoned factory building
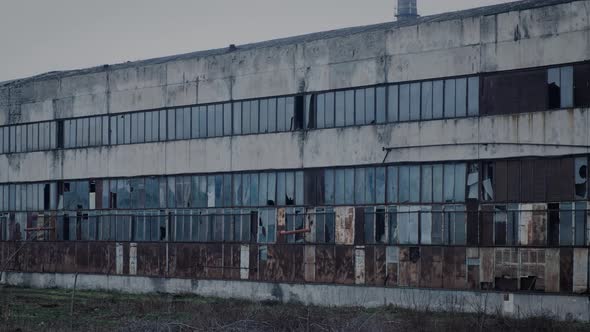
437	155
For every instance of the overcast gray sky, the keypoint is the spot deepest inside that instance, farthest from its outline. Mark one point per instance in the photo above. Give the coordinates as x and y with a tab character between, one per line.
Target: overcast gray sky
37	36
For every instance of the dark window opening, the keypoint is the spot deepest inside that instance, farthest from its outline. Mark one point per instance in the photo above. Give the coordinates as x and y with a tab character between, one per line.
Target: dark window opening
310	111
60	134
299	113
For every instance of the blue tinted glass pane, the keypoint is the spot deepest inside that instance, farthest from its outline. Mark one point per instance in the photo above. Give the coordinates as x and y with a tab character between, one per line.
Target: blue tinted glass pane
321	111
461	93
426	111
437	99
329	186
392	185
349	186
473	96
450	98
404	102
380	109
264	116
359	110
339	186
392	103
237	125
339	109
415	101
380	185
272	115
370	105
227	116
254	125
349	107
246	117
210	121
329	110
281	109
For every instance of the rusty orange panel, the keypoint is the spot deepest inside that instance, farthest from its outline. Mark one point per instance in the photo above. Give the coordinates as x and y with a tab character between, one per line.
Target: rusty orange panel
409	265
325	264
370	265
380	273
431	273
150	259
254	271
344	265
454	268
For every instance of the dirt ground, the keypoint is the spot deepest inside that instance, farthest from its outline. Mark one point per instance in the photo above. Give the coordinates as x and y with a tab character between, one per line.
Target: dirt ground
24	309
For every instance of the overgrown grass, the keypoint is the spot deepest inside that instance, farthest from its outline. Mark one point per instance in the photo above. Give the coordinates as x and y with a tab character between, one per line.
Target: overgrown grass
24	309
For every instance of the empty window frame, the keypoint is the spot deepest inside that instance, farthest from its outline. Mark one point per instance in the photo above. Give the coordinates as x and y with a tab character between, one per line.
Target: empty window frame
506	225
374	227
267	225
560	87
572	223
295	220
325	220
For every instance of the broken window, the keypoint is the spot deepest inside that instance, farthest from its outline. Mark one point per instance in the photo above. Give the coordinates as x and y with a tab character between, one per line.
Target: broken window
374	225
582	85
581	177
560	83
267	226
295	220
324	225
506	223
473	181
75	195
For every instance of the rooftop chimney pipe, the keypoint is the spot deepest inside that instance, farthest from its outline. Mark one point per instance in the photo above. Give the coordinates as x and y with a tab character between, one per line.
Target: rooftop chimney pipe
407	10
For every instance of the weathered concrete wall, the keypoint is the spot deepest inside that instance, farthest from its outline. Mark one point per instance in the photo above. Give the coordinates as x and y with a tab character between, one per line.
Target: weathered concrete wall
521	305
317	148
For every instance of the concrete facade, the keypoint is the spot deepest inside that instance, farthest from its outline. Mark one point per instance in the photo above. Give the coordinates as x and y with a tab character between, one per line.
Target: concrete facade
484	43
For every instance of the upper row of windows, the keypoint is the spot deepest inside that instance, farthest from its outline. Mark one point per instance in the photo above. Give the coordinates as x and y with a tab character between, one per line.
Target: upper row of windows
434	99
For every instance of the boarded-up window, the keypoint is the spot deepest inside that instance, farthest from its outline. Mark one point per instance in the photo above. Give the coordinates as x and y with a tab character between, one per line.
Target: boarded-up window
510	92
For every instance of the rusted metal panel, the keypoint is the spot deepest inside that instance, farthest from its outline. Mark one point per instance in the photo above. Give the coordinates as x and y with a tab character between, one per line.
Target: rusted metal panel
359	226
119	259
525	222
133	259
150	259
254	263
235	262
454	268
532	269
392	265
309	263
506	92
281	222
344	265
325	264
297	264
344	225
409	266
244	261
82	254
359	265
566	269
506	269
370	265
98	259
552	272
580	274
214	261
380	273
431	271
